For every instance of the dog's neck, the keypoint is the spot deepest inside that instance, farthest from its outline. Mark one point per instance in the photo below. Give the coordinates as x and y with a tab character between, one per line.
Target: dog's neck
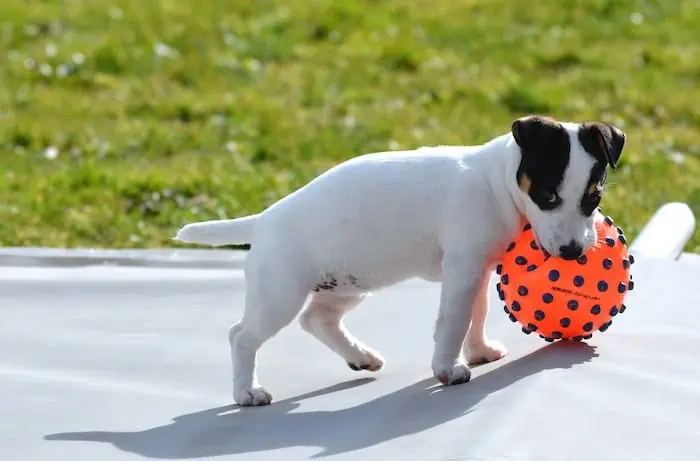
504	172
502	178
512	157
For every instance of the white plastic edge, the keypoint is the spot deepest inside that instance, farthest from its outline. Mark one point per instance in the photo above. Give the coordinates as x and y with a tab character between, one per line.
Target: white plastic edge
167	258
666	233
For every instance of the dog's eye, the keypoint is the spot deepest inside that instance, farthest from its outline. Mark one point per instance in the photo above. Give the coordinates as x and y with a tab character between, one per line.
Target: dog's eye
546	200
590	203
550	198
595	198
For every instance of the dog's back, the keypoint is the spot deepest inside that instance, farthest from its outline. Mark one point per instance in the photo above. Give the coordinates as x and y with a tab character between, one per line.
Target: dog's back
379	210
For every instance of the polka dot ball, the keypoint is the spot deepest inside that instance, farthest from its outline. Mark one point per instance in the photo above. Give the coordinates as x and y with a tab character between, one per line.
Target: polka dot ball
560	299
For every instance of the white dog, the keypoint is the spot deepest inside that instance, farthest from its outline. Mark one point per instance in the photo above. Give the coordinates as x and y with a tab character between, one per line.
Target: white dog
438	213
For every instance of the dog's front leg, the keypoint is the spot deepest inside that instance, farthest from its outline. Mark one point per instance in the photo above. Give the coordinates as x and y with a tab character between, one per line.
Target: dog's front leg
461	283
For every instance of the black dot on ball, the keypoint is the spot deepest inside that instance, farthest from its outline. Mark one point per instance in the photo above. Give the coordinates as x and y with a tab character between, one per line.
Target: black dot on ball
621	287
505	308
605	326
595	310
534	246
630	286
607	263
602	285
515	306
572	304
501	295
622	239
578	338
520	260
531	267
504	279
625	263
554	275
609	221
619	230
631	259
547	298
522	290
613	311
532	327
557	334
610	241
526	331
588	326
546	254
512	318
623	308
578	281
589	336
549	340
539	315
527	227
565	322
510	247
583	259
499	269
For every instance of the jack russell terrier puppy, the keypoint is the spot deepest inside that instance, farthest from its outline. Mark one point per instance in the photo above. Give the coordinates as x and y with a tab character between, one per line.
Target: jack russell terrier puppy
443	214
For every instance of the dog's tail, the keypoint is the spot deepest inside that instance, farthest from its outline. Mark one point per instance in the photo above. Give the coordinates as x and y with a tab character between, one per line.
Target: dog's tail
219	232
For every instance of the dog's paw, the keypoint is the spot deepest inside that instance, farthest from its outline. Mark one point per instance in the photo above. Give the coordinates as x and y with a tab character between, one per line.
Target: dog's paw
367	360
485	352
254	397
458	373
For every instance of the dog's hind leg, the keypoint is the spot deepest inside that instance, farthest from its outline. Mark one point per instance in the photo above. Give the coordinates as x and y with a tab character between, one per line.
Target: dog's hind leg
274	297
323	318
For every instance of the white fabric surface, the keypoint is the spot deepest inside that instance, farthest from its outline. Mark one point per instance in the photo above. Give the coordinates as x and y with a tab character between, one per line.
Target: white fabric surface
104	364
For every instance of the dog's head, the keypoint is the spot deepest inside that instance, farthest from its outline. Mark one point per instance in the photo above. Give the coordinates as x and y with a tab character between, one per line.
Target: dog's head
561	175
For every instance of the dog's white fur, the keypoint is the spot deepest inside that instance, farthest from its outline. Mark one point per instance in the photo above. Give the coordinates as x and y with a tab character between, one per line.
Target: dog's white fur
443	214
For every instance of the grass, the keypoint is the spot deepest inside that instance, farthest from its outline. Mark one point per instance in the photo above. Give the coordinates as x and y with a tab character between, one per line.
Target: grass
122	120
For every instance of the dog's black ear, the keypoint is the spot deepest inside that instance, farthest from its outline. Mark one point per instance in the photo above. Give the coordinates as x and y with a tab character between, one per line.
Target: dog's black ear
533	129
603	141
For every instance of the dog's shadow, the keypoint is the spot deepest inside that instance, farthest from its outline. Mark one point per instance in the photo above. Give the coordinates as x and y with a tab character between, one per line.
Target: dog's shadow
232	430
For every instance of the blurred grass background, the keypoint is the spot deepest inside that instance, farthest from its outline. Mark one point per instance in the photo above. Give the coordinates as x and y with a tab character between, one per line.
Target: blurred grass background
122	120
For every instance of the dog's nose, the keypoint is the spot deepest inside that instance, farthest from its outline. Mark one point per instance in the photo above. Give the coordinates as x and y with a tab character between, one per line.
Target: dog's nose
571	251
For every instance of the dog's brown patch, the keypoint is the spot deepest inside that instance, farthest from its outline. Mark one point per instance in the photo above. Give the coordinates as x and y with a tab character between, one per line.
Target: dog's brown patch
525	183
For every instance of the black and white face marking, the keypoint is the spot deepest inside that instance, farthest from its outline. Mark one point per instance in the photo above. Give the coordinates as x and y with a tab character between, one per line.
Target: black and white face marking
561	175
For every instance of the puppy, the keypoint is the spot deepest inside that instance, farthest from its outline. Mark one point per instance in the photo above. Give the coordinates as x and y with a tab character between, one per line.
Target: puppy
443	214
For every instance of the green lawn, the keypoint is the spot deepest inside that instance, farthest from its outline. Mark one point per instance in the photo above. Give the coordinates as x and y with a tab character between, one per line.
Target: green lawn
122	120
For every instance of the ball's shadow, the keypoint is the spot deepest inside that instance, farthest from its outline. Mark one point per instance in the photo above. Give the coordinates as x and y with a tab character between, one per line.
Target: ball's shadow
232	430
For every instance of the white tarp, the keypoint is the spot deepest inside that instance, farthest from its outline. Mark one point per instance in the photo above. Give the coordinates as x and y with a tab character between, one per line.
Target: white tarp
109	363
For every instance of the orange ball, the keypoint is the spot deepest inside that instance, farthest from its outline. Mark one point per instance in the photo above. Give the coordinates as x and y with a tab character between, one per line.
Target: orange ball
566	299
